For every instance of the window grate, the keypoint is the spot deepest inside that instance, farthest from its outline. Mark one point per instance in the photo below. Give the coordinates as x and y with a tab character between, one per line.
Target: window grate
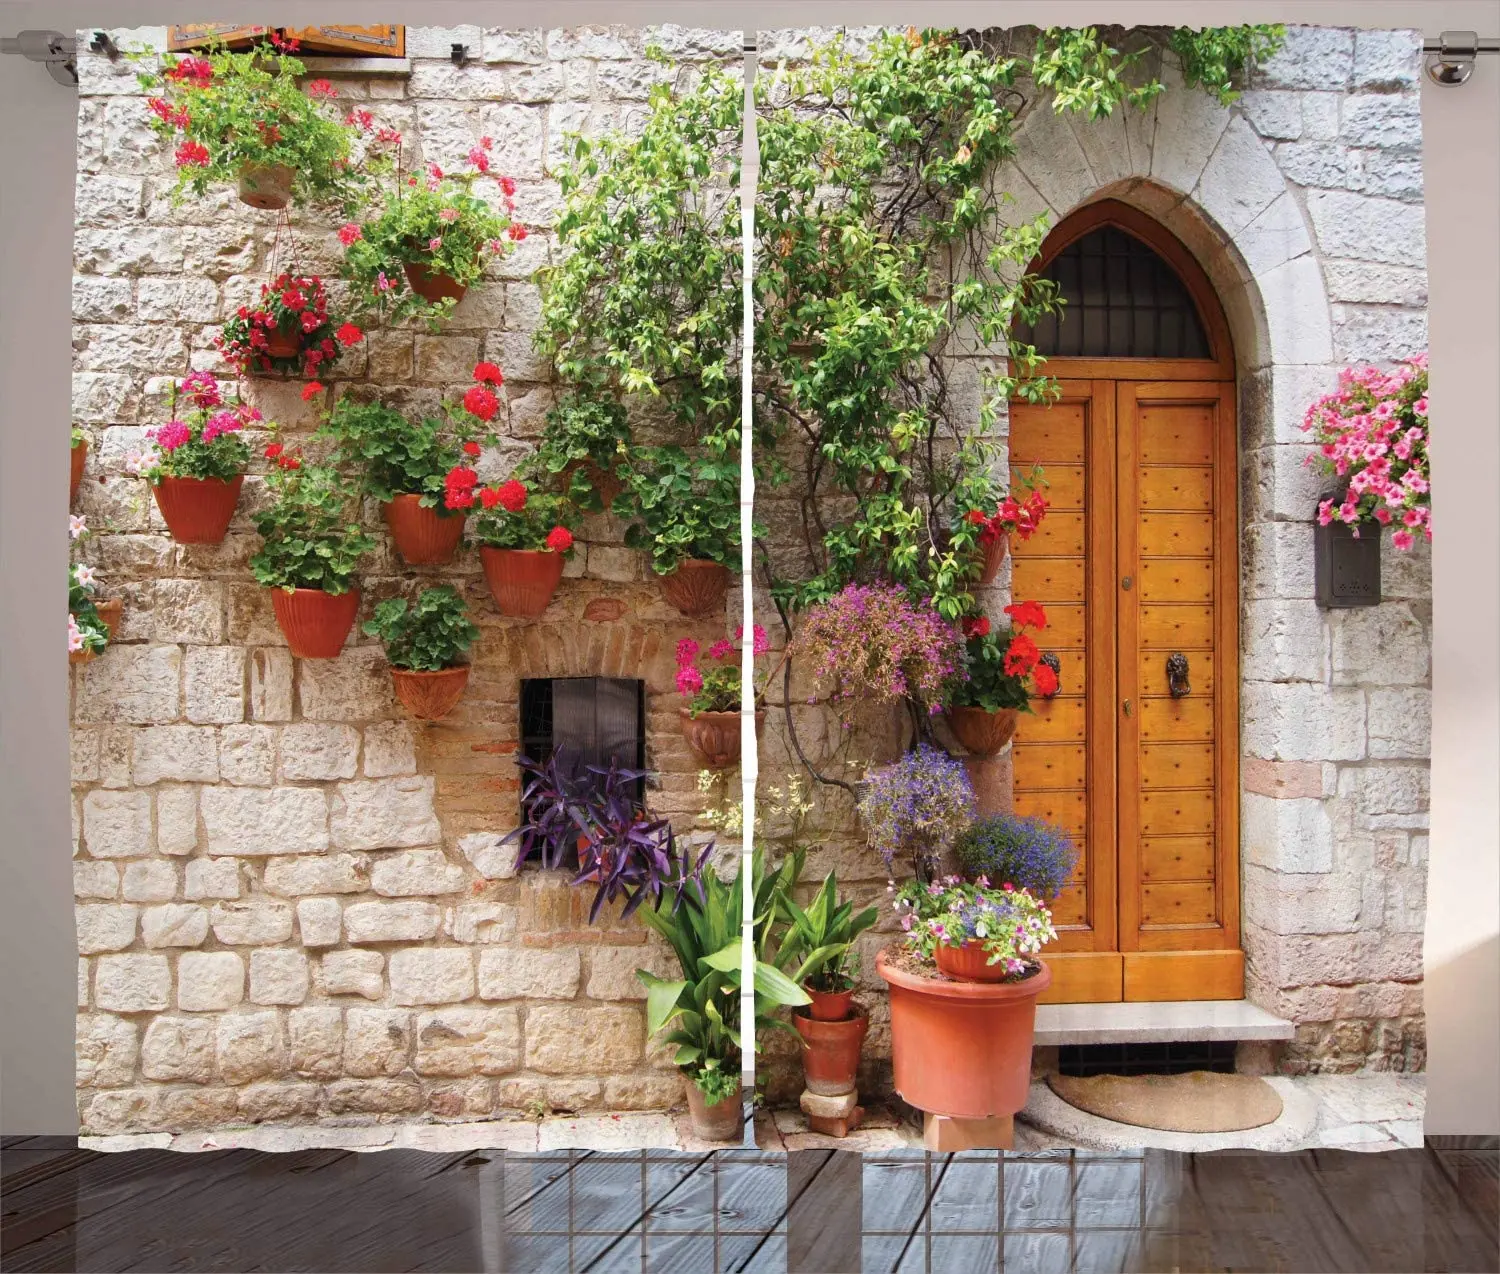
1175	1058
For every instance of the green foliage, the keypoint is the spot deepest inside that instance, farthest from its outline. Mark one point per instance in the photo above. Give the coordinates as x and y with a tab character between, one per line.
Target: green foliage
1215	57
431	635
584	438
540	520
395	456
312	536
227	111
988	685
77	436
817	941
1086	74
684	506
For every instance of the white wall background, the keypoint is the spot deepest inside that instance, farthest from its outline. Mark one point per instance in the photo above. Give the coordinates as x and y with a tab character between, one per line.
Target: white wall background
1462	178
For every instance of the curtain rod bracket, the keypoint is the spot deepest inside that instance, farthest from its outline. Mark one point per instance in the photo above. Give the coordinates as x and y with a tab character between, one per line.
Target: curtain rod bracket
52	49
1450	58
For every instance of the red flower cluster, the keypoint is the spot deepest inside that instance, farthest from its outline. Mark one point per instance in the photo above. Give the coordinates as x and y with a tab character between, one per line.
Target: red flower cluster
177	117
559	539
1018	518
191	154
489	373
1045	680
977	626
361	118
472	448
284	459
511	494
323	89
1021	656
285	43
311	390
291	305
458	487
1027	614
194	72
481	400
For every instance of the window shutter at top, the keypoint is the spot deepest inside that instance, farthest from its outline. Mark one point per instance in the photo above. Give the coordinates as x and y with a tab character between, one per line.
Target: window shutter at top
346	41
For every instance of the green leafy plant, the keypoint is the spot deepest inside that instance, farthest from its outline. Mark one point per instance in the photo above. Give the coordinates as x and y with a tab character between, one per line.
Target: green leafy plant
512	517
1216	57
229	112
818	940
684	507
76	436
396	456
584	439
432	634
311	531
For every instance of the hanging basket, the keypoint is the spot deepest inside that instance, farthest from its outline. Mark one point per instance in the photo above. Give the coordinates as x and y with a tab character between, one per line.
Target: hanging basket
995	553
983	733
109	612
433	287
430	695
198	510
313	622
267	187
696	588
716	735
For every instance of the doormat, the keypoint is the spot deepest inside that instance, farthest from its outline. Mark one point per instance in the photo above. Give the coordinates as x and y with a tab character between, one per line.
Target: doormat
1199	1101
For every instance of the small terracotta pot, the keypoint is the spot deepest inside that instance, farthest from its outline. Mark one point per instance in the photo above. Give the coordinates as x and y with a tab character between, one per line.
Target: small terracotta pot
269	187
604	483
313	622
983	733
423	536
968	963
962	1049
829	1006
696	587
77	458
830	1052
522	581
433	287
430	695
995	553
719	1122
716	735
281	344
198	510
110	610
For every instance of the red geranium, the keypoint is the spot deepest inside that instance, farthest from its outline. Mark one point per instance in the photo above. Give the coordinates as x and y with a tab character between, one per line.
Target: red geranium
311	390
977	627
480	402
1045	680
192	154
1027	614
472	448
488	372
512	495
349	335
560	539
458	487
1021	656
273	450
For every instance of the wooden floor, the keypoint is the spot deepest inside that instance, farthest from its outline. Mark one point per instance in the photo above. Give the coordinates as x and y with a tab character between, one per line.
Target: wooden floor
812	1211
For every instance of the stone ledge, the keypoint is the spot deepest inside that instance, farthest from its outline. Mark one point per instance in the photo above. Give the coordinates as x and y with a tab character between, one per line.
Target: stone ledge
1163	1022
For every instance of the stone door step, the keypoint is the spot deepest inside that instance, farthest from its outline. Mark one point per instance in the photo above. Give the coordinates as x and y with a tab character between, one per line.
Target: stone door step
1157	1022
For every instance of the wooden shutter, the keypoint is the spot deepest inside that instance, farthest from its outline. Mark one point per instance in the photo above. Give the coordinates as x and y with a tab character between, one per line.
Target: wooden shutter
348	41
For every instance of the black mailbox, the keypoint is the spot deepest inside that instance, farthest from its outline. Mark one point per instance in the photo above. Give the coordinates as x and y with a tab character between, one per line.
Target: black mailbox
1346	567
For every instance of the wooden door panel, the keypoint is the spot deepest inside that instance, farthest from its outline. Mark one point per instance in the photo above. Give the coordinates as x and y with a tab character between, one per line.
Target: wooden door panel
1177	858
1174	765
1067	810
1168	487
1177	534
1047	579
1177	580
1176	626
1164	906
1176	720
1177	813
1061	535
1057	720
1064	487
1048	436
1051	765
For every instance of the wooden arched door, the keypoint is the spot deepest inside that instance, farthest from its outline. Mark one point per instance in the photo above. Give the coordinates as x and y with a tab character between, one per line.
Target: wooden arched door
1137	566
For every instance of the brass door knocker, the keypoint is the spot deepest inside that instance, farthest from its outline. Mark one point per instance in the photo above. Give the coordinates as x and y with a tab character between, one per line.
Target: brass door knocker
1177	675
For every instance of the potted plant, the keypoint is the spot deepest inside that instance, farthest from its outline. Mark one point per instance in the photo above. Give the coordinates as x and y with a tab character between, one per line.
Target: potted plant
313	543
405	465
963	990
711	717
196	464
1027	853
1015	517
77	458
523	538
916	807
1005	669
91	622
431	240
423	643
687	517
246	120
290	332
585	445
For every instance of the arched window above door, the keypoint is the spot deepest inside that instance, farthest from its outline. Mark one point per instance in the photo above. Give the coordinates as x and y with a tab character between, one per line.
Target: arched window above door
1121	300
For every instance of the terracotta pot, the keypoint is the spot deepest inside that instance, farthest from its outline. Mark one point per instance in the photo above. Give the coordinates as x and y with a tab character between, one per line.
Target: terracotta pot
423	536
269	187
969	963
829	1006
198	510
716	735
605	484
830	1052
719	1122
77	458
995	553
983	733
521	581
281	344
696	587
313	622
433	287
110	610
430	695
962	1049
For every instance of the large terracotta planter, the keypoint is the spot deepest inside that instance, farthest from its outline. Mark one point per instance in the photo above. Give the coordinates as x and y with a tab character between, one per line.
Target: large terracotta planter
962	1049
983	733
696	587
77	458
521	581
430	695
313	622
830	1052
995	553
268	187
829	1006
110	612
969	963
716	735
423	536
433	287
719	1122
198	510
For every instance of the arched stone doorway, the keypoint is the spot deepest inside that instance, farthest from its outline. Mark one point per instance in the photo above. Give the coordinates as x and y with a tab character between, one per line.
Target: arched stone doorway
1137	566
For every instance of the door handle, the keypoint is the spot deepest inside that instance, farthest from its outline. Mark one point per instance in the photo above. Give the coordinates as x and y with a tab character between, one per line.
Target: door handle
1127	707
1177	675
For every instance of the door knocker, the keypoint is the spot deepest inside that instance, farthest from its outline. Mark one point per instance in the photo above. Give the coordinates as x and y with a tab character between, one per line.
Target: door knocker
1177	675
1054	663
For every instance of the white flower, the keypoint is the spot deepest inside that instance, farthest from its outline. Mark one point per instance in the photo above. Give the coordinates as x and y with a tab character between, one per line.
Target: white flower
84	575
76	526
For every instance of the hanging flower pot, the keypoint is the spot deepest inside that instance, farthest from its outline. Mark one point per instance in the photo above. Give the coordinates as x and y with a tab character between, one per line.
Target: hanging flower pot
696	587
313	622
197	510
110	612
716	735
995	553
430	695
603	483
718	1122
289	331
266	186
982	733
968	963
962	1049
423	537
522	581
77	458
433	287
829	1006
830	1051
281	344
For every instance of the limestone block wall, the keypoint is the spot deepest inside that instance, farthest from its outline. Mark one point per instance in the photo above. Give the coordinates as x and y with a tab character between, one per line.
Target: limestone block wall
291	904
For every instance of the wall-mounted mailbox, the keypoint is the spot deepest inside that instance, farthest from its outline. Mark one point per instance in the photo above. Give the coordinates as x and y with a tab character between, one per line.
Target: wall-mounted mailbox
1346	568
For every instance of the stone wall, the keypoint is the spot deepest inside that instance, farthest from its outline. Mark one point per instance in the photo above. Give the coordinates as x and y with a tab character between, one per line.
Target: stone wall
290	900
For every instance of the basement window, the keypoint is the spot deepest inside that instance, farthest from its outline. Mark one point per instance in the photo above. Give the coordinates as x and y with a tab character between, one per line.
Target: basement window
1147	1059
595	721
